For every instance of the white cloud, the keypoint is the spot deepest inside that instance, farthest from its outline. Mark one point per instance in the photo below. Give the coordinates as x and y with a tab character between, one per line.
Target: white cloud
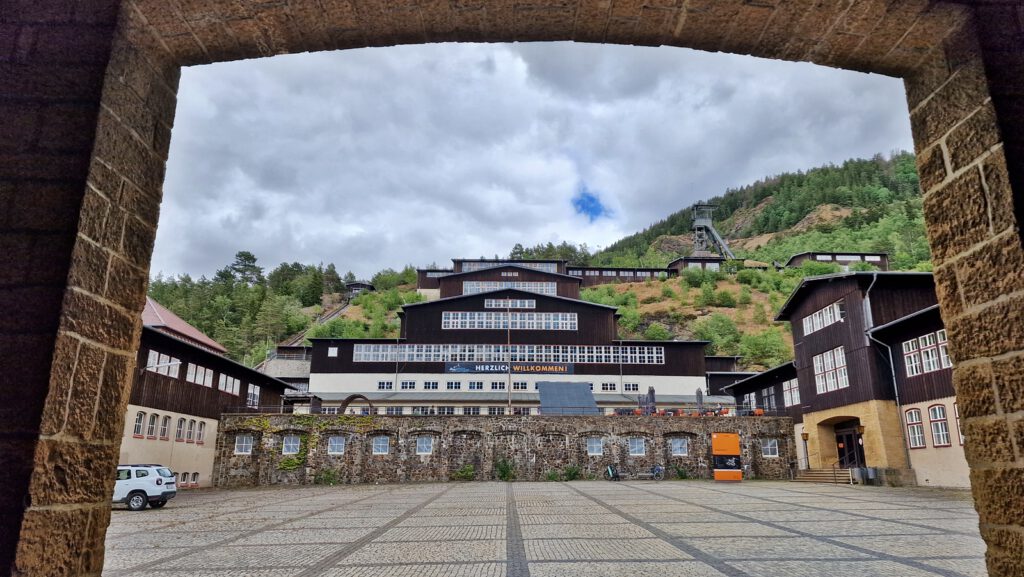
383	157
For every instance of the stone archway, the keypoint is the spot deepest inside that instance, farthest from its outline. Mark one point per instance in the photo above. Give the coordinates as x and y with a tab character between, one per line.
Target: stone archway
88	96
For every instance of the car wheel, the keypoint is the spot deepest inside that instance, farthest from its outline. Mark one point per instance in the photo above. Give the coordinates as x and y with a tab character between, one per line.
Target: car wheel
137	501
158	504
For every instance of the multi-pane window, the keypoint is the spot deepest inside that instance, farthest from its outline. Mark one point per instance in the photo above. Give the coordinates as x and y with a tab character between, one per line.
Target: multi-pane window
520	410
151	426
750	400
229	384
381	445
471	411
165	427
498	353
631	387
680	446
437	274
769	447
476	385
140	421
393	411
637	446
940	426
179	432
424	445
252	399
430	385
329	410
915	430
820	319
243	444
422	410
453	385
926	354
408	385
830	371
497	385
476	287
509	273
500	320
791	393
162	364
495	410
190	434
475	265
510	303
385	385
446	410
608	386
519	386
768	398
199	375
592	273
290	445
201	433
595	446
336	445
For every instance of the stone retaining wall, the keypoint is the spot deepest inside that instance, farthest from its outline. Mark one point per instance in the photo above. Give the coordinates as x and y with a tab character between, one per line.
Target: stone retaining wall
538	447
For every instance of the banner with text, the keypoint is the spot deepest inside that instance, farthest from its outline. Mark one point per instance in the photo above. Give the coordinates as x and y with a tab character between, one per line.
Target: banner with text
515	369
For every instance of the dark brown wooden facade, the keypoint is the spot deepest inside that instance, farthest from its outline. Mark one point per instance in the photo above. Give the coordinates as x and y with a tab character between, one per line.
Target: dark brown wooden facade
718	380
870	300
841	259
770	380
593	276
565	286
926	386
465	264
174	393
430	278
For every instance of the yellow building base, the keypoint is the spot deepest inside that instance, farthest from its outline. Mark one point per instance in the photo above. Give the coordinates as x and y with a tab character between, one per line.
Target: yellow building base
882	438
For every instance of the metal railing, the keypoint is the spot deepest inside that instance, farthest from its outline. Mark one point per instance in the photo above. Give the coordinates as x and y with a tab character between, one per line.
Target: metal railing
483	411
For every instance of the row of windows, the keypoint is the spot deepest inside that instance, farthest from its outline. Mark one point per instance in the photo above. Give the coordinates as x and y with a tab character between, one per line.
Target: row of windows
510	304
830	371
405	353
829	315
472	287
768	398
509	273
199	375
926	354
847	257
938	423
188	430
469	266
167	365
188	480
712	266
437	274
163	364
500	320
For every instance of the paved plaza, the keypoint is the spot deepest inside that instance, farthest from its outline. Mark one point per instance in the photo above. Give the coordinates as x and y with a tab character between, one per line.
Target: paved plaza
666	529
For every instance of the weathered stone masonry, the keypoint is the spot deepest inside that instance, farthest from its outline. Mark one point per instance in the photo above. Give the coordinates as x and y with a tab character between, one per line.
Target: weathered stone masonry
537	446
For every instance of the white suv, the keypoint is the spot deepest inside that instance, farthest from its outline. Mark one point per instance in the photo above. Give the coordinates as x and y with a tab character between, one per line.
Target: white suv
141	485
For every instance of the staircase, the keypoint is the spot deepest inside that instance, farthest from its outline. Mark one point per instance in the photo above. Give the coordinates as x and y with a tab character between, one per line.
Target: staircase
841	476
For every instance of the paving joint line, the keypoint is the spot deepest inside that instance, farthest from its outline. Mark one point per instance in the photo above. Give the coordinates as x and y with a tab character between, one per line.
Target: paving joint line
831	541
349	548
517	565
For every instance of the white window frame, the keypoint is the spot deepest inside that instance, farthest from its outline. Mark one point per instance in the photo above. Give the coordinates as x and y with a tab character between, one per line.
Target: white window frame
595	446
637	446
938	421
336	445
424	445
679	446
915	429
770	448
290	444
381	445
408	385
140	423
243	444
830	371
791	393
332	351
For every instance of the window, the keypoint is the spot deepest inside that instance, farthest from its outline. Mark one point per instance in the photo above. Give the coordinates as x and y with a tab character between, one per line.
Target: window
179	433
140	421
768	398
499	353
495	410
328	410
871	258
332	351
637	446
829	315
830	371
488	320
151	427
124	474
940	426
195	479
424	445
510	303
381	445
476	287
385	385
956	415
393	411
243	444
497	385
184	479
823	257
430	385
595	446
190	435
915	430
509	273
519	386
476	385
769	447
253	398
199	375
229	384
926	354
165	427
201	433
163	364
446	410
453	385
471	410
520	410
608	386
680	446
791	393
631	387
408	385
290	445
336	445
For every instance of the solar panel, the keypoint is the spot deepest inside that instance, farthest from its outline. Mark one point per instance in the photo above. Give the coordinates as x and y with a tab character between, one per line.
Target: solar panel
567	399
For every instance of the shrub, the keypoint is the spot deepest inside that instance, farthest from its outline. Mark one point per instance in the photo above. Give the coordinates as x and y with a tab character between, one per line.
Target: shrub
650	299
681	473
657	332
721	331
747	276
571	473
553	476
692	276
327	477
505	469
707	295
745	296
667	292
765	348
724	298
760	316
465	473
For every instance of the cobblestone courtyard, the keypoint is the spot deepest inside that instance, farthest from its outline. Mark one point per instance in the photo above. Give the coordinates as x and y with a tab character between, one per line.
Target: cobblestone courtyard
667	529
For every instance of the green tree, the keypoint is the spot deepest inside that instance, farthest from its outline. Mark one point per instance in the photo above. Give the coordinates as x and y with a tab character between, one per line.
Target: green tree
721	331
657	332
707	295
766	348
245	268
332	280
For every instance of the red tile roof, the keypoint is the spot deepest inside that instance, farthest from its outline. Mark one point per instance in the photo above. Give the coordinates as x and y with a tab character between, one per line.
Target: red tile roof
158	317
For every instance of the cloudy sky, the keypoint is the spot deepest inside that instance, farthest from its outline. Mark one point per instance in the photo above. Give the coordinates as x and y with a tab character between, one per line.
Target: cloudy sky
389	156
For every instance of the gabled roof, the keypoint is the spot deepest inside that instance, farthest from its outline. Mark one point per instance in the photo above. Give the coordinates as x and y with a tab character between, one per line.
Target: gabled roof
812	282
513	266
852	252
927	311
525	294
156	316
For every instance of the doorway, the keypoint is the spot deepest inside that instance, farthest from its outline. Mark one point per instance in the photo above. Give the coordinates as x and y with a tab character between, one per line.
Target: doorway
850	445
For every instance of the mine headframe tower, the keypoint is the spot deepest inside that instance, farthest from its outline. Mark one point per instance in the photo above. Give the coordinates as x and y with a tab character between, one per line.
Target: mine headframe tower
705	237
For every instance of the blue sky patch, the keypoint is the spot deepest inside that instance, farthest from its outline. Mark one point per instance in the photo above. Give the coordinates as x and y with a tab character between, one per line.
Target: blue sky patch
589	204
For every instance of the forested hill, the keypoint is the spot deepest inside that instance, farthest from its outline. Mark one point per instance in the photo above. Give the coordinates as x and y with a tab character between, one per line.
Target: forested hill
864	203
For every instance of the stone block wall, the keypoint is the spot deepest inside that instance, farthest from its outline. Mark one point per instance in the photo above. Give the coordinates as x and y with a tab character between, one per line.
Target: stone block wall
537	446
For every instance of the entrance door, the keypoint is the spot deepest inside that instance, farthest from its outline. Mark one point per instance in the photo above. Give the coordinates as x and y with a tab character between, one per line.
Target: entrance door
851	452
